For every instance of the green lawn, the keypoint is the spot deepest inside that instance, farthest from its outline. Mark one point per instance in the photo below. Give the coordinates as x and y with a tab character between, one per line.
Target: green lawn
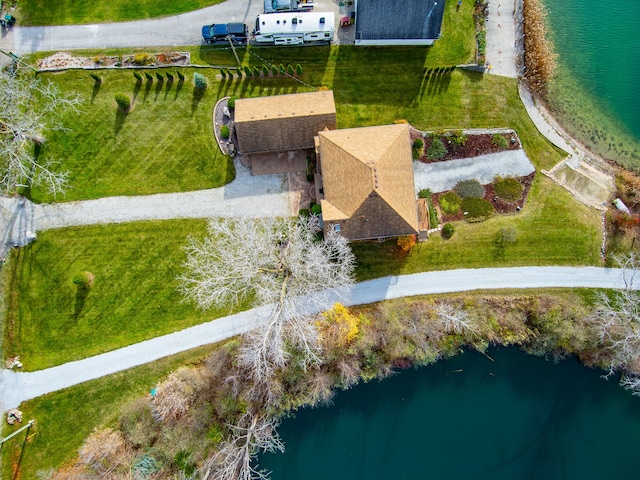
164	144
134	296
68	12
552	229
65	418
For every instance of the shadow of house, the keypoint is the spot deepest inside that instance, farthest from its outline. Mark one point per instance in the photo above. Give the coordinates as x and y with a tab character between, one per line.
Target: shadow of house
410	22
365	182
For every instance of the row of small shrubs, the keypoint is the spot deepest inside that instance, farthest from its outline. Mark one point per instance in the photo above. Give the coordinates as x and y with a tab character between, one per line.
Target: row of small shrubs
256	71
480	14
314	209
138	76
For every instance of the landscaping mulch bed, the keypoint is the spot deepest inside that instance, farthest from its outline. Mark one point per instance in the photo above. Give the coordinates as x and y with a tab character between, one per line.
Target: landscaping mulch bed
476	144
64	60
500	206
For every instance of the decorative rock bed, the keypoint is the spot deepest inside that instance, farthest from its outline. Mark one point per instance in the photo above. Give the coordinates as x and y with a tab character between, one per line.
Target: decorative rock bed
63	61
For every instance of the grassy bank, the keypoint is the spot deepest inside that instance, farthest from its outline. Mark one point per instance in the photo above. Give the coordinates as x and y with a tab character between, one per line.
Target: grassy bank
50	320
65	418
540	320
552	229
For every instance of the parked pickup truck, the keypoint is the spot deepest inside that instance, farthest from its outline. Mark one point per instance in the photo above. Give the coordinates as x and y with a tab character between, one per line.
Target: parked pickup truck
238	32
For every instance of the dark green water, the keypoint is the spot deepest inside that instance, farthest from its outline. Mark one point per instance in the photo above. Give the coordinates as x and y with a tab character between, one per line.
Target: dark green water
520	417
595	93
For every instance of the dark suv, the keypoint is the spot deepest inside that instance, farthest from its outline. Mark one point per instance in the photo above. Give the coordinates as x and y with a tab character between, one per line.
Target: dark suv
217	32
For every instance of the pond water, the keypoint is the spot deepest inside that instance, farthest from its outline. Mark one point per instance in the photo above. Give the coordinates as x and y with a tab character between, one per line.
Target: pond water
595	92
469	417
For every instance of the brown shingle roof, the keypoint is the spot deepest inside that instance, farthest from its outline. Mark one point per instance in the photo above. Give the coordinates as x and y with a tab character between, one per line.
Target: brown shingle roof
282	122
374	165
284	106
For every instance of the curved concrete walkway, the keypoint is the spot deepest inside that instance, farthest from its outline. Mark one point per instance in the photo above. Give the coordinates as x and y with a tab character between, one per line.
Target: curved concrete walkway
16	387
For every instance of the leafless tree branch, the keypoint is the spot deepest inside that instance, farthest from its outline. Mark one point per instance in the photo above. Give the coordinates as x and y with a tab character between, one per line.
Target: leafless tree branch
29	107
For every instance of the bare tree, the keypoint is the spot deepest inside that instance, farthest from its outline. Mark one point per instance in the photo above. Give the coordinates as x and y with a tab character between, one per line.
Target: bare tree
176	394
616	320
233	459
279	264
29	107
104	450
453	319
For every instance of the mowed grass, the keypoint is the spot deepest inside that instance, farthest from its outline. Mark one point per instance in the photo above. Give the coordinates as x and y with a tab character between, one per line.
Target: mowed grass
377	86
552	229
65	418
164	144
68	12
134	296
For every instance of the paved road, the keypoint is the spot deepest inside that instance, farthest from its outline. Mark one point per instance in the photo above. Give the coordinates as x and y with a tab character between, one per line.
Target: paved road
173	31
167	31
16	387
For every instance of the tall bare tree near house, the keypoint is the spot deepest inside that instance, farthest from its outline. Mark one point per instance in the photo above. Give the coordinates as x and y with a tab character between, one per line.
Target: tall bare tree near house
276	263
29	107
616	322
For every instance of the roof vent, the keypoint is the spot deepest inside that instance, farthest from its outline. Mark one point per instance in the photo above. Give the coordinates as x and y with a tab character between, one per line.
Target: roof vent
321	19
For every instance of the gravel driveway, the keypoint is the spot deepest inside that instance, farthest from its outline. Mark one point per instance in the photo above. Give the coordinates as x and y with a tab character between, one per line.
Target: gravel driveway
442	176
246	196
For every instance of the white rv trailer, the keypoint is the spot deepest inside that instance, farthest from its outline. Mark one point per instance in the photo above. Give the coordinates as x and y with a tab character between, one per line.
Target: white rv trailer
294	28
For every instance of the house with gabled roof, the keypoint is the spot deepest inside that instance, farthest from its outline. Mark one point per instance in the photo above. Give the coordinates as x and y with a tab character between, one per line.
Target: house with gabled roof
281	123
365	182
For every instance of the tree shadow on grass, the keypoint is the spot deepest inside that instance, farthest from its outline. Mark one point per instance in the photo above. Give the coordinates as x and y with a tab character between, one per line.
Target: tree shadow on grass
136	90
147	89
121	117
198	95
168	87
159	85
436	81
178	88
221	86
81	297
95	91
